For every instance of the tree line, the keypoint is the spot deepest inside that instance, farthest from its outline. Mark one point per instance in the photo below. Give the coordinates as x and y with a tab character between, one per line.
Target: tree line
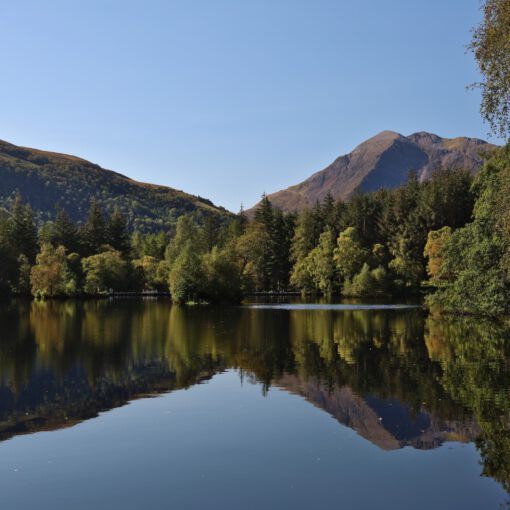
371	245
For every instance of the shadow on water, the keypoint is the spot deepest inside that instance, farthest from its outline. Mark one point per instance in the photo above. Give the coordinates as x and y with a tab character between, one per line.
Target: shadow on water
396	375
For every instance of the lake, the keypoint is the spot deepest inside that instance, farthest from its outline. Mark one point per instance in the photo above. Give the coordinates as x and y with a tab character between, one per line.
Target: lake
130	404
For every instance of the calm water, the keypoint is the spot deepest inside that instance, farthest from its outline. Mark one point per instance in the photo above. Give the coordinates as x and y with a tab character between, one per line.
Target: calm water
139	404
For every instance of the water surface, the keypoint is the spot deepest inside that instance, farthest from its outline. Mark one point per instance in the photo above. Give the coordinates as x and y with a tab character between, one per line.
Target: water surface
140	404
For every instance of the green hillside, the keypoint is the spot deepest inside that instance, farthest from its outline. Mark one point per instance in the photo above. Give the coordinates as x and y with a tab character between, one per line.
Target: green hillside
47	179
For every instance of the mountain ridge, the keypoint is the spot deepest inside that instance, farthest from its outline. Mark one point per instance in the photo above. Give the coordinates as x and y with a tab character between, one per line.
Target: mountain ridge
46	179
383	161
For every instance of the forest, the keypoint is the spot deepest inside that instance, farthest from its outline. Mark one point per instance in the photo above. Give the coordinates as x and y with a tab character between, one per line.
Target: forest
447	236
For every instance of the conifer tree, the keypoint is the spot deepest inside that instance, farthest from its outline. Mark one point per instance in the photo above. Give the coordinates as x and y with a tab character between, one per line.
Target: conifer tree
210	230
264	212
329	212
117	233
65	232
264	215
94	230
23	231
9	263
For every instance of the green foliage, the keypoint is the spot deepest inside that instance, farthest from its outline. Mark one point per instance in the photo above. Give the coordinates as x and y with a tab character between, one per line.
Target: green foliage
23	288
154	272
386	229
45	179
367	282
104	272
152	245
187	233
117	234
408	270
322	266
374	244
187	276
50	277
94	232
362	213
309	226
275	231
210	232
436	242
301	276
9	260
491	47
348	255
475	257
223	277
76	269
22	230
447	199
64	232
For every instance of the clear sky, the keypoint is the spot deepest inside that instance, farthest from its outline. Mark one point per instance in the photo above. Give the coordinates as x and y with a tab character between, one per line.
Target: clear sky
230	98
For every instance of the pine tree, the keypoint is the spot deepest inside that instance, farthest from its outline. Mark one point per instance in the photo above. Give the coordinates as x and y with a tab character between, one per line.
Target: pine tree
243	220
65	232
117	233
9	263
94	230
209	232
281	233
306	235
329	212
264	212
23	231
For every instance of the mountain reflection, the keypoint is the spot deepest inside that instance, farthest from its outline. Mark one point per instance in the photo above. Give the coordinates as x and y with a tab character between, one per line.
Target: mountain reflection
397	377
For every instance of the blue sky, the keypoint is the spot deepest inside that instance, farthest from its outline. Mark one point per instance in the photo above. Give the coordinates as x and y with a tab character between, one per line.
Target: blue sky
230	98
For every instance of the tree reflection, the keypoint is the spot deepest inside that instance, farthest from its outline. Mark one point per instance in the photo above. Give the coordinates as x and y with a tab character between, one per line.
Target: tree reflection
474	357
398	377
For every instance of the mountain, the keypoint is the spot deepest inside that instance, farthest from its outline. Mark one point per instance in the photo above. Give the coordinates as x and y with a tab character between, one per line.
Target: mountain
47	179
386	423
383	161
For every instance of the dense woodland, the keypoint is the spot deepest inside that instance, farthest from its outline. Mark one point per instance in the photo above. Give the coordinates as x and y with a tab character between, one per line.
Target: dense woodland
446	234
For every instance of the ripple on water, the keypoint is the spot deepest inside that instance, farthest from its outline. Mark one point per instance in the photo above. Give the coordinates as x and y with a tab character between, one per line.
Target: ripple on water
291	306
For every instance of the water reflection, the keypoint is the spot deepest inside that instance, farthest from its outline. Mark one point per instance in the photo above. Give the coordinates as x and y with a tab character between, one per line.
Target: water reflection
398	377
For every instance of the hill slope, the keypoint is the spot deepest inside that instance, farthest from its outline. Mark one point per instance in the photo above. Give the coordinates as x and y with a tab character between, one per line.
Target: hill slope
383	161
46	179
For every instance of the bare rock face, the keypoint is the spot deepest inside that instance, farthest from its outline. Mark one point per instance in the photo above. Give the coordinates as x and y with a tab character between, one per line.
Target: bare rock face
383	161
